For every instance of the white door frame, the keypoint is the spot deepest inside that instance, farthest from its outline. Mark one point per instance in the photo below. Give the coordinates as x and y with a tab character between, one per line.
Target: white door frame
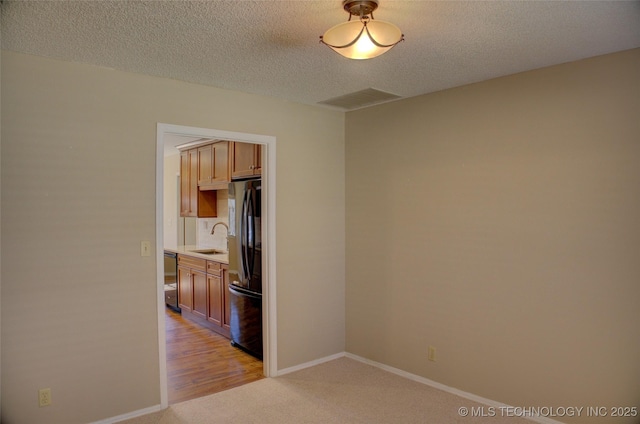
268	240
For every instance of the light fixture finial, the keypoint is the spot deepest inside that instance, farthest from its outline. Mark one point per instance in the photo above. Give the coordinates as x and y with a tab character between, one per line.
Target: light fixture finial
360	8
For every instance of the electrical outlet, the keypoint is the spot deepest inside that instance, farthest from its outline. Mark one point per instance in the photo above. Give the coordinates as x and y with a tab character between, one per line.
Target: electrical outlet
432	353
44	397
145	248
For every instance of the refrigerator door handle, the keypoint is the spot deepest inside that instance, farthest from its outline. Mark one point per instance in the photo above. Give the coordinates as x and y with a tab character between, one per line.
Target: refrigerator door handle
251	245
244	237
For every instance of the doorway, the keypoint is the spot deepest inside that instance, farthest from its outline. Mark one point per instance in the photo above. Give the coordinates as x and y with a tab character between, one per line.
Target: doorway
164	131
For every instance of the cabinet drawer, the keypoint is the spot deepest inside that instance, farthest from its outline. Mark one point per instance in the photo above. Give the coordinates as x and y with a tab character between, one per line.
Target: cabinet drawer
191	262
214	268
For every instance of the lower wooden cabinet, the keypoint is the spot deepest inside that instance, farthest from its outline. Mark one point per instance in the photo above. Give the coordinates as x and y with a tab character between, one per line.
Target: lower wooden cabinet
203	289
215	300
191	277
185	294
226	317
215	294
218	295
199	280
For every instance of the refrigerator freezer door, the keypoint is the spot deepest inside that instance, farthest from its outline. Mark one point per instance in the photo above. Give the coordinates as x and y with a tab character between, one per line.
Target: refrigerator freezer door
246	320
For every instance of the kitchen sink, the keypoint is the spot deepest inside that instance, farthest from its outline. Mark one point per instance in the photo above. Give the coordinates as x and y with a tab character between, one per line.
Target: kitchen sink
208	251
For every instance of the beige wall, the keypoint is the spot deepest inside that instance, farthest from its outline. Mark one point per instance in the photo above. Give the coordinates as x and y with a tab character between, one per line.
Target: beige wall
78	196
499	222
170	186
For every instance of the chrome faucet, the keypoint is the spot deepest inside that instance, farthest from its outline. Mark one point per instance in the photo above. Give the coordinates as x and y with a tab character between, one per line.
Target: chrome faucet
213	229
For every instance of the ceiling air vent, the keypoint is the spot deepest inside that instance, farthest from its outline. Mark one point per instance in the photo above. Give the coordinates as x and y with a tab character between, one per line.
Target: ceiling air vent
359	99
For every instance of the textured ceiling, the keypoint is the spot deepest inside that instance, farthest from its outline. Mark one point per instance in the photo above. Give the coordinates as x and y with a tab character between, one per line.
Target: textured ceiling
271	47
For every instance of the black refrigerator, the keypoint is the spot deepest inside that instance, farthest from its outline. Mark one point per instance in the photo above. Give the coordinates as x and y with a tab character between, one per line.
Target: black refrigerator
245	265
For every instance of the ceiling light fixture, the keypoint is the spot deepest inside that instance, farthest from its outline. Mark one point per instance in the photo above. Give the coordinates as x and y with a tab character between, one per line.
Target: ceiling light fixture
365	38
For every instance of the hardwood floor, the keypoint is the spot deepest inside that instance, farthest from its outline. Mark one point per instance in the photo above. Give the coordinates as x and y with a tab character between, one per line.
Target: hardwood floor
201	362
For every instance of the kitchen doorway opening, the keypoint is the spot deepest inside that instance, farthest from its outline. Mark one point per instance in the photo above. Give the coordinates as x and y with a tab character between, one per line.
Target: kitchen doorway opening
167	132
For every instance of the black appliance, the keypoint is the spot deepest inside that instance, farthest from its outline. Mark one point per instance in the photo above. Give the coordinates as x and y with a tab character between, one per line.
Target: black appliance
171	280
245	265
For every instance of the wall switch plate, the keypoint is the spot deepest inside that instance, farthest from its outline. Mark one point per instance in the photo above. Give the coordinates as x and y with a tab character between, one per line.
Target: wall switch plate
145	248
432	353
44	397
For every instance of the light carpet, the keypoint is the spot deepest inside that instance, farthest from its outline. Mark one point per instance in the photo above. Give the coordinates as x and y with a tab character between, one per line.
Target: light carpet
338	391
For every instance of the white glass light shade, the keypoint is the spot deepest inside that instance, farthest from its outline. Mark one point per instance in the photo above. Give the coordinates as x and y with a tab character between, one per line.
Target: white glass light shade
362	39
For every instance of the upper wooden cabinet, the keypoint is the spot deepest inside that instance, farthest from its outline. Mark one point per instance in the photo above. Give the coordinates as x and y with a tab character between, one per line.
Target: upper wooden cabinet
213	166
210	167
185	184
194	202
245	159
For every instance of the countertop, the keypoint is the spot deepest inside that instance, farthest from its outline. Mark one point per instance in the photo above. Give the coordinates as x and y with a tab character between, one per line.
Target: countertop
188	250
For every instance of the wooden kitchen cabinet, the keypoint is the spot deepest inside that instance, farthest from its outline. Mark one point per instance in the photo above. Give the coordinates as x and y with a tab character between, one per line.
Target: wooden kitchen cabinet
245	159
210	167
203	292
215	300
226	300
219	311
192	284
194	202
214	279
192	291
213	166
186	199
185	294
199	282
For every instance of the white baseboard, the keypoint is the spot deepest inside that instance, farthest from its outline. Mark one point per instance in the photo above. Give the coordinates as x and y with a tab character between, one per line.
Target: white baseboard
130	415
444	388
310	364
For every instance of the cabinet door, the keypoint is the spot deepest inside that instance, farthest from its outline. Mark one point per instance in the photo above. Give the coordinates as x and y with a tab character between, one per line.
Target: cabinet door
242	160
193	182
220	152
215	299
226	318
185	184
213	166
257	159
205	165
189	183
199	280
193	201
185	296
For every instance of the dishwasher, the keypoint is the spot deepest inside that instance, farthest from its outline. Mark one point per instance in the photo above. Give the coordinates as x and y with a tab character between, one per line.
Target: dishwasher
171	280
